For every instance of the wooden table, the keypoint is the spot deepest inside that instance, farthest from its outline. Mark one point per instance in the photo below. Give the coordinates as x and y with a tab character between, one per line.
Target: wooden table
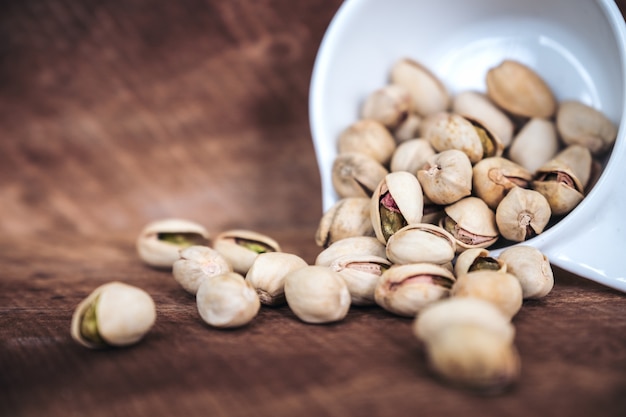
116	113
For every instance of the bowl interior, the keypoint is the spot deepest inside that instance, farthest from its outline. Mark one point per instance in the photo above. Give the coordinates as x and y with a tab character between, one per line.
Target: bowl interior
577	47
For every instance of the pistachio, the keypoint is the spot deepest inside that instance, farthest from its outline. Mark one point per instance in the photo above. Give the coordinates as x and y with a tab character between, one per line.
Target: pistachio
389	105
317	294
427	91
535	144
356	175
358	245
581	124
396	202
114	314
348	217
197	263
531	268
477	259
368	137
500	288
471	222
447	177
408	129
411	155
405	289
492	178
477	106
421	242
361	274
160	241
519	90
522	214
267	275
241	247
227	301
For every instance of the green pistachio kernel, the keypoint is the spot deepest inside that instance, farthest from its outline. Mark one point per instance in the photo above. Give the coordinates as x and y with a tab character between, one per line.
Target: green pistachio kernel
482	263
487	143
254	245
391	219
181	239
89	324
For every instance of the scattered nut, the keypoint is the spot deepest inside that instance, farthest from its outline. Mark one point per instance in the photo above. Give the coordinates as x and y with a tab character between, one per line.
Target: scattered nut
227	300
197	263
241	247
267	275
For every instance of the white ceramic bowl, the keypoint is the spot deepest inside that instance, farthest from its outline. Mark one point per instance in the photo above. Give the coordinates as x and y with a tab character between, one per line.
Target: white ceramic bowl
578	47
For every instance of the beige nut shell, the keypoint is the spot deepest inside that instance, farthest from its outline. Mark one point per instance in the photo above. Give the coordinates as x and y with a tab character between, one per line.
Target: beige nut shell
473	215
361	274
500	288
227	301
581	124
531	267
124	314
240	257
429	94
421	242
368	137
477	106
197	263
348	217
465	261
357	245
267	275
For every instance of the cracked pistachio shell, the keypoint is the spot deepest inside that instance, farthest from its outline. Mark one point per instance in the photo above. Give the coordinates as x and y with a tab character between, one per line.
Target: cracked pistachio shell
447	131
428	93
116	313
471	222
267	275
535	144
421	242
241	247
159	242
358	245
197	263
356	175
581	124
397	201
406	289
519	90
408	129
368	137
493	178
411	155
361	274
227	301
317	294
447	177
522	214
532	269
500	288
477	106
348	217
389	105
477	259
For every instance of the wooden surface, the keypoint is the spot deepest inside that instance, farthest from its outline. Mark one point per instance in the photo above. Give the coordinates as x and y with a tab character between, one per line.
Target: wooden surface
116	113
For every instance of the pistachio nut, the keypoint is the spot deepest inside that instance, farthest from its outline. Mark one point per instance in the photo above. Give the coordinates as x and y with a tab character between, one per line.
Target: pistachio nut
114	314
397	201
408	129
492	178
356	175
160	241
447	177
522	214
317	294
519	90
535	144
267	275
361	274
357	245
477	259
562	180
471	222
368	137
500	288
477	106
581	124
428	93
197	263
389	105
227	301
421	242
348	217
406	289
532	269
411	155
241	247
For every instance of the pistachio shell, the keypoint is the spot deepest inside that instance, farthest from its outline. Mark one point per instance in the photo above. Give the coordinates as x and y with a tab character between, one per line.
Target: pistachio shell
368	137
447	177
581	124
348	217
405	289
427	91
421	242
358	245
408	129
267	275
575	161
411	155
160	241
447	131
241	247
475	259
535	144
500	288
473	223
361	274
477	106
227	301
197	263
492	178
522	214
531	268
356	175
389	105
518	89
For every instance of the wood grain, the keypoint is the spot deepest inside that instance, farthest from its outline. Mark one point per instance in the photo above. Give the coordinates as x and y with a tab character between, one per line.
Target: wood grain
116	113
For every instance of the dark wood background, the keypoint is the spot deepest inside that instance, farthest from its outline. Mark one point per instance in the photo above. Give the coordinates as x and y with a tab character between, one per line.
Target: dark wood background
116	113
